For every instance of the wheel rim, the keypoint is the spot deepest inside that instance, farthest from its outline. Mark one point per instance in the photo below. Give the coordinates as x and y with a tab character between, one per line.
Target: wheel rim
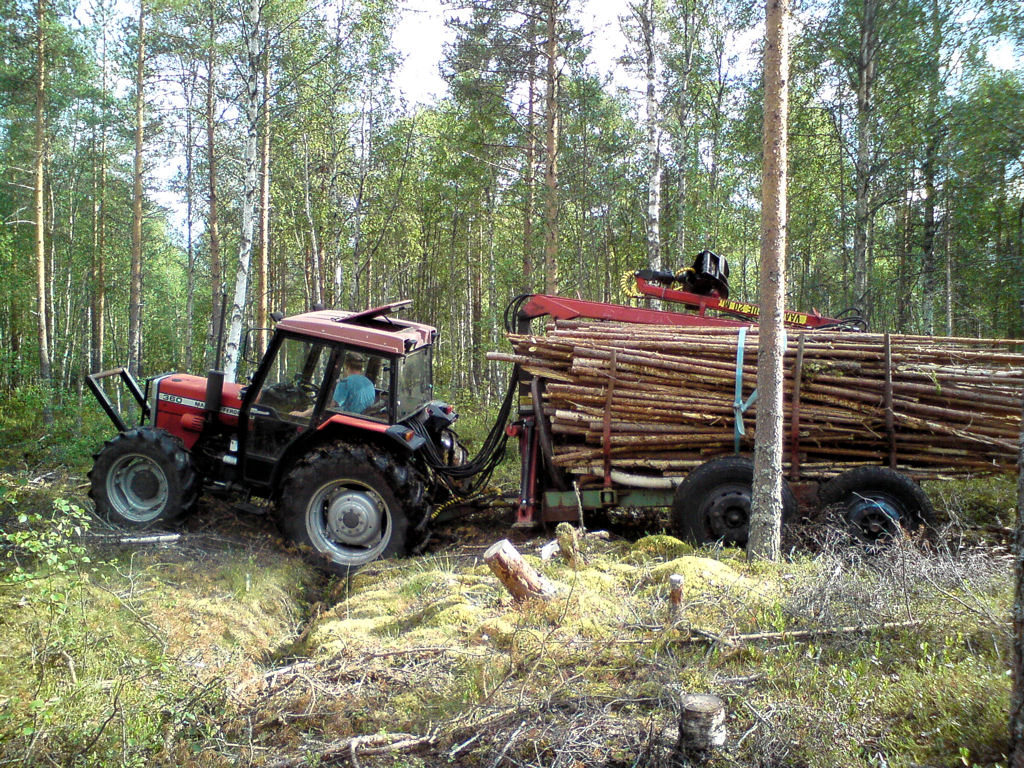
727	513
349	522
874	517
137	488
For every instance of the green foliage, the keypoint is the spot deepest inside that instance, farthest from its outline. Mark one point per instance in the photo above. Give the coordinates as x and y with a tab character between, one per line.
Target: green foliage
37	545
77	429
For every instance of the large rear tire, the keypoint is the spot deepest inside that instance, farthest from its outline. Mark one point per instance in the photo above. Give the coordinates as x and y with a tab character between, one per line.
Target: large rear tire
351	505
877	502
143	476
713	502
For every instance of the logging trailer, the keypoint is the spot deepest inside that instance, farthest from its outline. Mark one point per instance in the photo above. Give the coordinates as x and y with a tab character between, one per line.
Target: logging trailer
354	478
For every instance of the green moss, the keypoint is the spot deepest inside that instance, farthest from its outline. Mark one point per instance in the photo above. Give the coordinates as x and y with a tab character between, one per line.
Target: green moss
658	547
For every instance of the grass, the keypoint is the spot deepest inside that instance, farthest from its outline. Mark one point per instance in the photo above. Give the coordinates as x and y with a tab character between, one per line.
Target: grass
211	656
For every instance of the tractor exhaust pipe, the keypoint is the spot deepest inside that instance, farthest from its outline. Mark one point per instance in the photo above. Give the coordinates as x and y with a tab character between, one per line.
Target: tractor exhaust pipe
214	392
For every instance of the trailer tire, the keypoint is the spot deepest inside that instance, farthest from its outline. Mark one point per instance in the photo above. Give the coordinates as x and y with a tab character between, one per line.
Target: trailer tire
143	476
350	505
713	502
877	502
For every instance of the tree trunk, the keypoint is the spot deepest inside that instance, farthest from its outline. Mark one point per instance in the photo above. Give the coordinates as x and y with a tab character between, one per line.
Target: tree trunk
188	82
1017	694
99	287
38	200
316	277
213	213
865	81
930	281
531	159
551	150
766	504
262	299
645	15
135	278
251	83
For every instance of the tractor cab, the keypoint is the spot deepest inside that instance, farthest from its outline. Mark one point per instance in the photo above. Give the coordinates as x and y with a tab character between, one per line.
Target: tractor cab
330	372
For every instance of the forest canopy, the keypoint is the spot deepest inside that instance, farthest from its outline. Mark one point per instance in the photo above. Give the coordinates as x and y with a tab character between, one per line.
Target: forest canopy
155	154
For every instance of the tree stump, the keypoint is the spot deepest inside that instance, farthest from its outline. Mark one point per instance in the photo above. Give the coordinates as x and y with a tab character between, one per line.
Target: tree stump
701	725
675	596
518	576
569	545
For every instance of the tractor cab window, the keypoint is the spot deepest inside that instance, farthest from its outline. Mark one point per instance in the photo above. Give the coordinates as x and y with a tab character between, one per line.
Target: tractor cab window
361	385
293	382
415	382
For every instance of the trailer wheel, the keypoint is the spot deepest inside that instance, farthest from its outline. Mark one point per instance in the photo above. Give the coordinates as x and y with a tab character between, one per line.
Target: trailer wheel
877	502
142	476
713	502
341	502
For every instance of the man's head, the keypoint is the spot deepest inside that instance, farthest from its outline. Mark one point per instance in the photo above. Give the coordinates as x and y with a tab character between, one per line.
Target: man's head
354	362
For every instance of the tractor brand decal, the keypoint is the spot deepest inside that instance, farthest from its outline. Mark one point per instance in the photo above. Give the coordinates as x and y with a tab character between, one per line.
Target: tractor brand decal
193	403
753	310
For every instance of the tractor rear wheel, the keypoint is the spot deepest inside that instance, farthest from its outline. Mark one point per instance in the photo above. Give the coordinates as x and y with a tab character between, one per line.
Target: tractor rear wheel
143	476
713	502
877	502
351	505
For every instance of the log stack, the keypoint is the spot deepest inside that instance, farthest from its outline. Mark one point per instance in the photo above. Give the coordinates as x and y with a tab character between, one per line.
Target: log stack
659	401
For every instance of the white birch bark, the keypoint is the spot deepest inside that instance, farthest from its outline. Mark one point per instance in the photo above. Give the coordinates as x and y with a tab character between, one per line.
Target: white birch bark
250	187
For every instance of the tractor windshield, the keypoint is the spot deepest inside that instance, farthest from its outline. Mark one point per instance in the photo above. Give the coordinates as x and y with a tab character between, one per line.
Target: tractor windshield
415	382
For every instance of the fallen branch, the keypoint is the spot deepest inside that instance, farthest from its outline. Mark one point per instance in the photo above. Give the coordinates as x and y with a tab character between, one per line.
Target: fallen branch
350	749
700	635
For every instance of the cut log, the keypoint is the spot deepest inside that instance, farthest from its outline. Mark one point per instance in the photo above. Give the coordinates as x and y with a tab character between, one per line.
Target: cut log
701	724
518	576
933	407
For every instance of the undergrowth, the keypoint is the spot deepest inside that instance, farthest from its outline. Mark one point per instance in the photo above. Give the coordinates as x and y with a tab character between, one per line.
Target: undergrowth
200	655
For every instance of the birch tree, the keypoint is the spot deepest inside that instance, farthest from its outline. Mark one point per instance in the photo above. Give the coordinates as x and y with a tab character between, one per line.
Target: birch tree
645	14
38	199
250	74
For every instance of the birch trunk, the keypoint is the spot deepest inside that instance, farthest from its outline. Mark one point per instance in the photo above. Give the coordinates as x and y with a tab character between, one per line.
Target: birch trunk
766	504
645	15
38	199
250	191
263	291
213	213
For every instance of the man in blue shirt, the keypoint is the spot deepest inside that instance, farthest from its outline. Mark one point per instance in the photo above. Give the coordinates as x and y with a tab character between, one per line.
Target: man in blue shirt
354	393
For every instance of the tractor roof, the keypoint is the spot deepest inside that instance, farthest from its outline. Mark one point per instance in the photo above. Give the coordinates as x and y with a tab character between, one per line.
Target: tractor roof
373	329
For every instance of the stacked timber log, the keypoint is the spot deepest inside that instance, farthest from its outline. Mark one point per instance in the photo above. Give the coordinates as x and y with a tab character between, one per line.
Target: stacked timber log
659	401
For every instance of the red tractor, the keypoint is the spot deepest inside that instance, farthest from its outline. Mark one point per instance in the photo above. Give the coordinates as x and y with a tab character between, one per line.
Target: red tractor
338	427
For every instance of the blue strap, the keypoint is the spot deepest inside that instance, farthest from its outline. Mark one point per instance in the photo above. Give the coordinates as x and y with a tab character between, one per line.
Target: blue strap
739	406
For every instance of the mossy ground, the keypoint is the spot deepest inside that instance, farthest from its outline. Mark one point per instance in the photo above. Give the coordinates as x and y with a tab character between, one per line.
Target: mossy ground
225	649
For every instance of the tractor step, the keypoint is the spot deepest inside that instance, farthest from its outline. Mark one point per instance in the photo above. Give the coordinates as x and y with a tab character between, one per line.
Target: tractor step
252	509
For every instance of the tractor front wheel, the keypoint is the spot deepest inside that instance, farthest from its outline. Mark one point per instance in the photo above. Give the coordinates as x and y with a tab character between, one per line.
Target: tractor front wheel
343	503
143	476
